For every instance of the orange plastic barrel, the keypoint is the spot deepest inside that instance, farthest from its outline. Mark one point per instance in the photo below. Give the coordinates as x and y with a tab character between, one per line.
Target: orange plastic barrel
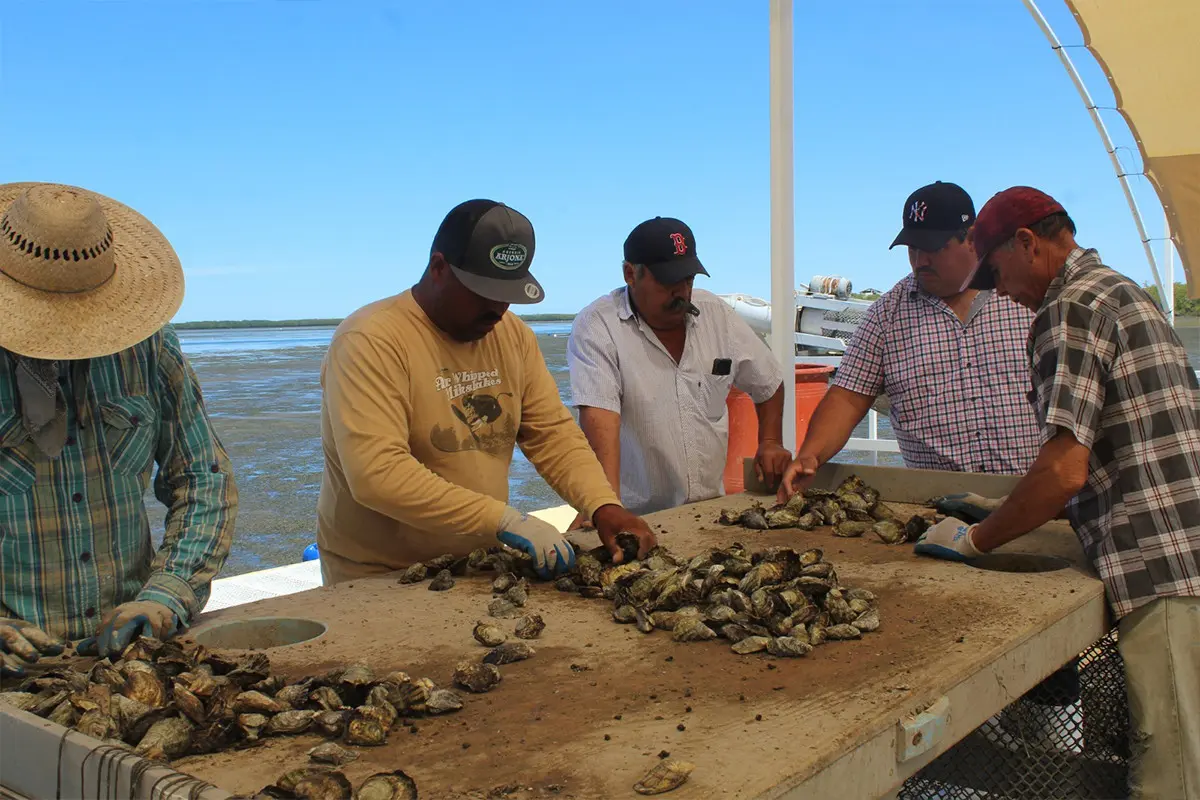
811	382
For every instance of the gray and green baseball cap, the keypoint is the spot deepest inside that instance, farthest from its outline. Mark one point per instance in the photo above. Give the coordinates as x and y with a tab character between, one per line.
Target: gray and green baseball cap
490	247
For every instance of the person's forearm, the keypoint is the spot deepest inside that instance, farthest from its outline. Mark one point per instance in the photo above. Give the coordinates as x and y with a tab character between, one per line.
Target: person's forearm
770	418
832	423
603	431
1057	475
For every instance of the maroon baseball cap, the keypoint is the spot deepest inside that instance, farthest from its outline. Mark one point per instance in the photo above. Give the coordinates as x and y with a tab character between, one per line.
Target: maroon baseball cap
998	221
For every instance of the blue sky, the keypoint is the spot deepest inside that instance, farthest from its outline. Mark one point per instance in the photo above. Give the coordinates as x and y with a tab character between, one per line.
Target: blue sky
300	155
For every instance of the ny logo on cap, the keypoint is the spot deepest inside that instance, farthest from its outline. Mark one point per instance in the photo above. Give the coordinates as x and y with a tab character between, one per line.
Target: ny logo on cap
917	211
680	244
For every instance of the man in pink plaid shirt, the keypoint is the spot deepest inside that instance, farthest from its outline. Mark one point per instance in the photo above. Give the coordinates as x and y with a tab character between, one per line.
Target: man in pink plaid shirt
951	362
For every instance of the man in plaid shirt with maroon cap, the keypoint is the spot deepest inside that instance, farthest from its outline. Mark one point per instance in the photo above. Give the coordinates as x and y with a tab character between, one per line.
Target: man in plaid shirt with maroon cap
1120	408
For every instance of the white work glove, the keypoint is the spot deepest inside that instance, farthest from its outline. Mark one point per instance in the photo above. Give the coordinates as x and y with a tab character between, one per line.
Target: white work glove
967	505
127	622
552	554
22	643
950	539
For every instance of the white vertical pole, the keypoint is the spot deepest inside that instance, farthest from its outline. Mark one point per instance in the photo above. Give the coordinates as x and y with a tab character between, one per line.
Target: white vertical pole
1169	269
783	274
873	434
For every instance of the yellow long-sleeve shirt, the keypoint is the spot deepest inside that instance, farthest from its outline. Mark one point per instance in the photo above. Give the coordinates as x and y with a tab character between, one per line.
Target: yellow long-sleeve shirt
418	432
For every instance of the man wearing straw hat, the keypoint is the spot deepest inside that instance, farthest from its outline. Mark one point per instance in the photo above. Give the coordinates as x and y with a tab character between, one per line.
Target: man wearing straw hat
94	392
425	396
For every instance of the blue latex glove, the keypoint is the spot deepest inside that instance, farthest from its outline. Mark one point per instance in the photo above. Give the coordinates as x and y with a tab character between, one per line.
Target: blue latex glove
22	643
552	554
967	506
127	622
950	539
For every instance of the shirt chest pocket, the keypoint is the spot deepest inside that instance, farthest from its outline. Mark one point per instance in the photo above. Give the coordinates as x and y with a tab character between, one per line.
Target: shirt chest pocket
130	433
17	469
712	394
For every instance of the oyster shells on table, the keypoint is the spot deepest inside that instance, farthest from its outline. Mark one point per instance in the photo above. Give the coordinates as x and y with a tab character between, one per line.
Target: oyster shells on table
504	582
788	647
365	730
331	724
664	776
843	631
257	703
442	701
289	723
750	644
502	608
691	629
167	739
312	783
851	528
890	531
441	582
413	574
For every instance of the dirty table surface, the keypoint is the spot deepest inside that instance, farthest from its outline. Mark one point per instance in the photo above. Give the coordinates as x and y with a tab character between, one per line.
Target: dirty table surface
593	710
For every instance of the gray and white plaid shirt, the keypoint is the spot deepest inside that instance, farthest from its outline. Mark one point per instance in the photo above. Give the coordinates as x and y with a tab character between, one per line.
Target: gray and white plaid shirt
957	389
1108	368
674	425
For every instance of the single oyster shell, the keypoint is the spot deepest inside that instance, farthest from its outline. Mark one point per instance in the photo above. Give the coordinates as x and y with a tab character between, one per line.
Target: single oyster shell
859	606
780	625
213	736
788	647
326	698
627	614
859	594
729	517
808	521
691	629
191	706
869	494
831	511
64	714
412	696
782	518
435	565
751	644
762	604
251	725
851	501
867	621
332	753
642	620
313	783
289	722
843	632
735	632
387	786
883	512
589	592
414	574
853	484
441	582
620	572
21	700
250	669
385	714
104	673
851	529
753	518
167	739
566	584
442	701
508	652
517	594
915	526
504	582
889	531
489	635
665	776
145	686
270	685
812	556
839	610
143	648
476	677
257	703
357	675
857	515
331	723
365	731
717	615
530	626
501	608
296	694
821	570
816	633
589	569
762	574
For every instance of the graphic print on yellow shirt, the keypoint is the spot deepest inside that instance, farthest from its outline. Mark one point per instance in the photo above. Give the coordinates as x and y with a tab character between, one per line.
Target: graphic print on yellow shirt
483	416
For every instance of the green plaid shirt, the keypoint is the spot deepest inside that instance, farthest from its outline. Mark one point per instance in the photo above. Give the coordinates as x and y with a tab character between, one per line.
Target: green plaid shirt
74	535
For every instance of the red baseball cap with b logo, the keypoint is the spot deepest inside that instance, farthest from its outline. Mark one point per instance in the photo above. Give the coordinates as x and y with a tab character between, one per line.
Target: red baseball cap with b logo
667	248
999	220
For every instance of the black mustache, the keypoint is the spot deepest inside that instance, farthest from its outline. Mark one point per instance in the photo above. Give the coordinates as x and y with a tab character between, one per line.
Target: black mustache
679	304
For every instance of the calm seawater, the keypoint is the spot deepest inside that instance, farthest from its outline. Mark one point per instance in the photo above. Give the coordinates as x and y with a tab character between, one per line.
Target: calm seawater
262	389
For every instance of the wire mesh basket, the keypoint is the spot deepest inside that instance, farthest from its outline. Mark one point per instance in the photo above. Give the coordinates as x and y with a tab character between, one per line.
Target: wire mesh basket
1068	737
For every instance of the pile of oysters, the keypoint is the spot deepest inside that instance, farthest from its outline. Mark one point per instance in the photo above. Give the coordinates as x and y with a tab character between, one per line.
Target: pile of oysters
851	510
166	700
778	600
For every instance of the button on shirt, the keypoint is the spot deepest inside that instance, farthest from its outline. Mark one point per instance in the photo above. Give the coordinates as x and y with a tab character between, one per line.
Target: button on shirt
957	389
74	535
674	424
1108	368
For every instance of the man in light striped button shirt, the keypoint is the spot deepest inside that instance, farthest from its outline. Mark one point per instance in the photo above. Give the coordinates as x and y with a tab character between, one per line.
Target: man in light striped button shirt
651	366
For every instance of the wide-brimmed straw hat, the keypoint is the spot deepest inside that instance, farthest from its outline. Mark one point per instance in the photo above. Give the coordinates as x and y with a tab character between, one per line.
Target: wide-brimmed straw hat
81	275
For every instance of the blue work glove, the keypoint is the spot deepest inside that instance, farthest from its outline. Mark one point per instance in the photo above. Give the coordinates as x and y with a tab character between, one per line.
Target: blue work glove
22	643
968	506
552	554
127	622
950	538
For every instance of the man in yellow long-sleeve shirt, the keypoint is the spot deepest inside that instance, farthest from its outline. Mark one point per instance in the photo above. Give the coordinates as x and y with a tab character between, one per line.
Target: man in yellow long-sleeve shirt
425	395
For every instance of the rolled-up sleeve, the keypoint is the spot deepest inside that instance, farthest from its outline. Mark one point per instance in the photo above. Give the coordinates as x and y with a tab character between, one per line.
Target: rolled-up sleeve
756	370
593	363
861	369
195	482
1073	355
